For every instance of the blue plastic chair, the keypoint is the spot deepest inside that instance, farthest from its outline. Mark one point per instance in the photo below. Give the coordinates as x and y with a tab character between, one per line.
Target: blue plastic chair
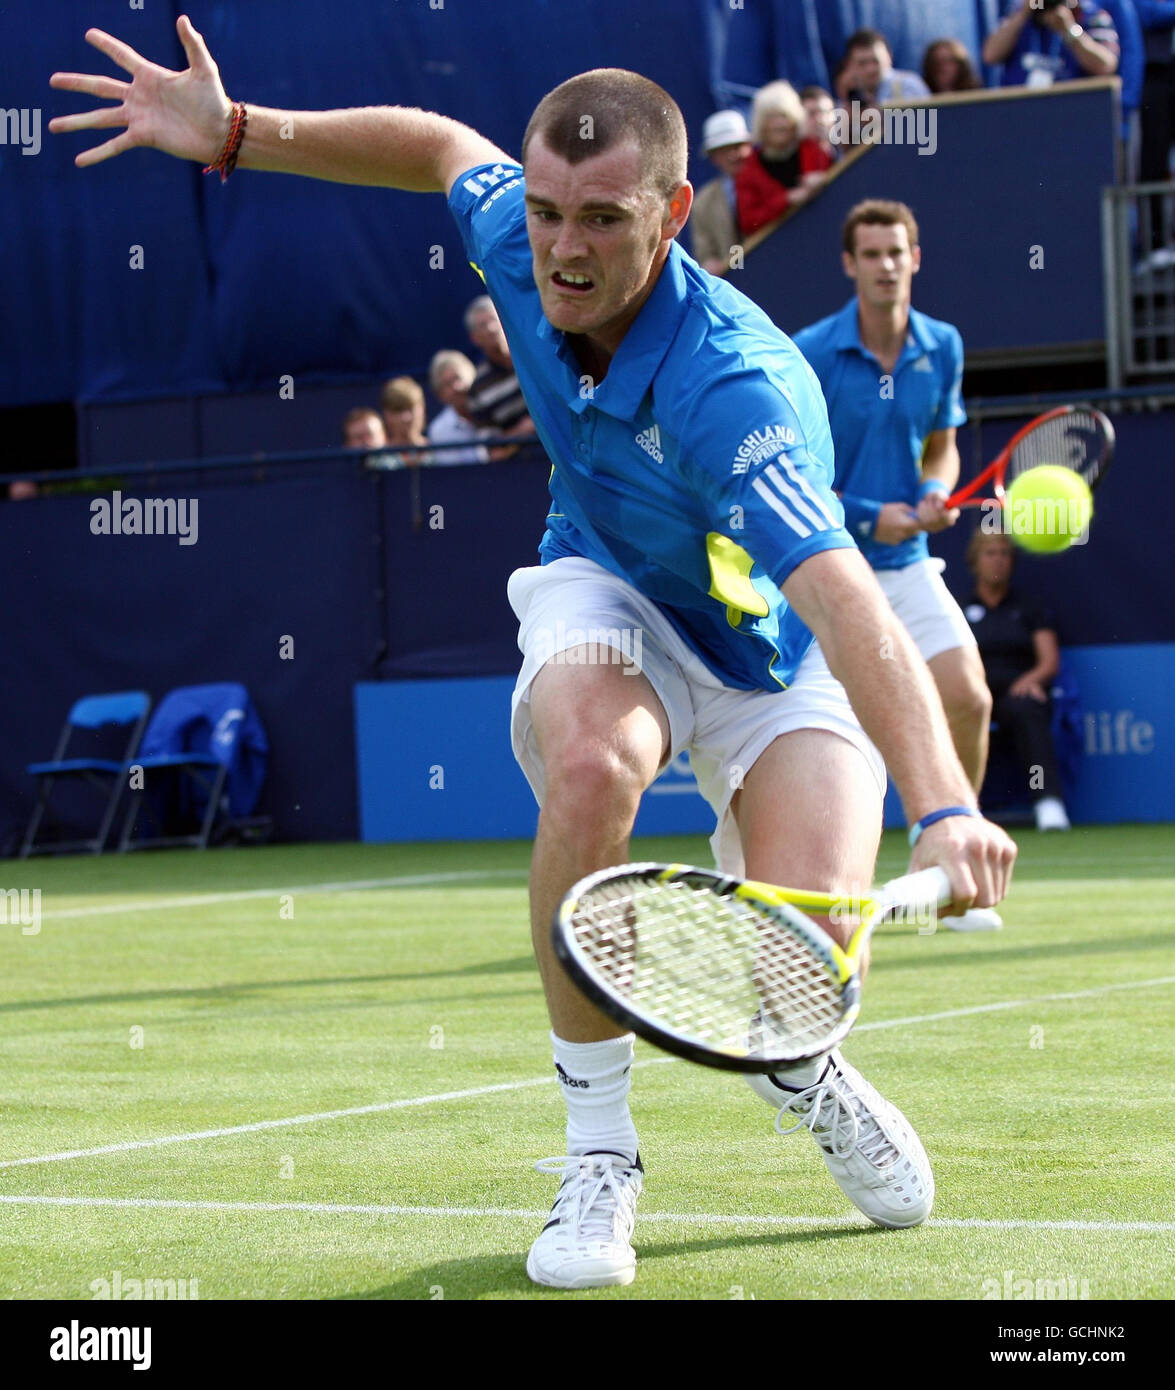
204	756
108	728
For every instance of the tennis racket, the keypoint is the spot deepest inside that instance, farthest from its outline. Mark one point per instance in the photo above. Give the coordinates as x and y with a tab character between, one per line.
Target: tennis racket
721	970
1072	436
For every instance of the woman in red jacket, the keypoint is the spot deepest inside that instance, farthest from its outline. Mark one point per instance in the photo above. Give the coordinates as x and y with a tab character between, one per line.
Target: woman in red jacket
784	168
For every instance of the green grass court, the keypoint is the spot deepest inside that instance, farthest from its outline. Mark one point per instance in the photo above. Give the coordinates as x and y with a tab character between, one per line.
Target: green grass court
346	1102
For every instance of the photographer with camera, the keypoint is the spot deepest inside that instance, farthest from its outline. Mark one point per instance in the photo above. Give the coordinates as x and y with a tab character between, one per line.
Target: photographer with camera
1041	42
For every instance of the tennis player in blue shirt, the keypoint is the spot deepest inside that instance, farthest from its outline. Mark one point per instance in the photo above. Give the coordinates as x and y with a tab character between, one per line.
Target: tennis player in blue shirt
694	548
891	378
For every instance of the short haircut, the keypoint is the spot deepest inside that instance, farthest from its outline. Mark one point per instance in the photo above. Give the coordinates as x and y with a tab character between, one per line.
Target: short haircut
589	114
978	537
814	93
401	393
877	212
478	306
866	38
776	98
449	357
361	412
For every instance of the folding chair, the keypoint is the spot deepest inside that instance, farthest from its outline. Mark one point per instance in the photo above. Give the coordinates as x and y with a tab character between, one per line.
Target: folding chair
107	728
202	757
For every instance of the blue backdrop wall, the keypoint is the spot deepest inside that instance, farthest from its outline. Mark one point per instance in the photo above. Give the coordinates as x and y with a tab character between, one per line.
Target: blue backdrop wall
268	276
373	583
1048	287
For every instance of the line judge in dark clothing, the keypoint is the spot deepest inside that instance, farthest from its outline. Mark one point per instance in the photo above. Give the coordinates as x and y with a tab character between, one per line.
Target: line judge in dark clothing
1021	656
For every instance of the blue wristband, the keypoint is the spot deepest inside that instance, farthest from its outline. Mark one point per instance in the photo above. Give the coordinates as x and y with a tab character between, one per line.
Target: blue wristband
929	485
920	825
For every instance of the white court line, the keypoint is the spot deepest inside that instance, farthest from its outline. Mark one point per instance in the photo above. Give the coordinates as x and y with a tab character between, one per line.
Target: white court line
258	1125
1014	1004
348	885
401	881
382	1106
515	1213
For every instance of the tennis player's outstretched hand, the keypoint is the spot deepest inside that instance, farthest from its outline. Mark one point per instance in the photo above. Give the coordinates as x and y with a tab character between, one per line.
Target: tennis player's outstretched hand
182	113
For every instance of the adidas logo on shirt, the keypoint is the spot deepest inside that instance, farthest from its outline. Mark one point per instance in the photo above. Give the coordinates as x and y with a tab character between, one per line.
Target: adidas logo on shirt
650	441
923	365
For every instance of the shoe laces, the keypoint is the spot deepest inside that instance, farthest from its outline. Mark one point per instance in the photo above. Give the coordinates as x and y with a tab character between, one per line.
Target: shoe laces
839	1121
596	1190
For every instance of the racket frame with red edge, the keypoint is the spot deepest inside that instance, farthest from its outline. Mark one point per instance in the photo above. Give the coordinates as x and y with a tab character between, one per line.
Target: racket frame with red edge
972	494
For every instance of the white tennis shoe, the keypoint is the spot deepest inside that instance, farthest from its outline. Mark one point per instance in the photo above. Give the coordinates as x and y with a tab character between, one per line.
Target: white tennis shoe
869	1146
1050	814
587	1242
974	919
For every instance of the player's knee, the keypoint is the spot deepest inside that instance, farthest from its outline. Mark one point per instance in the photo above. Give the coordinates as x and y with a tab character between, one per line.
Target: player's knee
592	781
969	700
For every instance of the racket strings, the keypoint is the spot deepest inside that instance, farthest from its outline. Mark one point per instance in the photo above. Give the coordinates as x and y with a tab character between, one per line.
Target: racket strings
724	972
1074	440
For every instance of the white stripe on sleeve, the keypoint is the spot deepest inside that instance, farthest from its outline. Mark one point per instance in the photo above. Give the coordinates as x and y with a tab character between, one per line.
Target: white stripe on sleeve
773	501
805	487
793	497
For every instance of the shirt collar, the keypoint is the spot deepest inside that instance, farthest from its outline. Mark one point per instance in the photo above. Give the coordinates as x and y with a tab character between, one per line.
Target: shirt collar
641	351
848	330
920	331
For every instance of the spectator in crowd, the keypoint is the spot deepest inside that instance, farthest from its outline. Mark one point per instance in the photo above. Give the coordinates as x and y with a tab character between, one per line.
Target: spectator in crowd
363	428
869	75
947	67
1041	46
785	167
451	374
402	402
1021	656
21	489
726	143
495	399
820	110
1158	116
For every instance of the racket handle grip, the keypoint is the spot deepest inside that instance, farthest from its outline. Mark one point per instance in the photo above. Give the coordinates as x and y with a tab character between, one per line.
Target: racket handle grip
925	888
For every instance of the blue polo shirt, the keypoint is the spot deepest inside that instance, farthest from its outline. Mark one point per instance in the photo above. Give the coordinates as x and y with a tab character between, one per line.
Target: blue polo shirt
879	428
699	469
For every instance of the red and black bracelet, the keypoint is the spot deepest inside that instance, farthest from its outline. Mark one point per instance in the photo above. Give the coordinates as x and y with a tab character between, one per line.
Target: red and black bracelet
232	146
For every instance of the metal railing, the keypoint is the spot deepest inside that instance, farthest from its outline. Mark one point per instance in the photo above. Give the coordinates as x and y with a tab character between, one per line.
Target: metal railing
262	464
1138	248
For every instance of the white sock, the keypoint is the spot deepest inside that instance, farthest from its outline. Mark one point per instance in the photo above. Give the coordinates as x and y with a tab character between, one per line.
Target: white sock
595	1078
800	1075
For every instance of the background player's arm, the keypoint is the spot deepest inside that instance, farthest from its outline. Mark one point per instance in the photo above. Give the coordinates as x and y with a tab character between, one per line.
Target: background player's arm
940	465
888	522
892	693
187	114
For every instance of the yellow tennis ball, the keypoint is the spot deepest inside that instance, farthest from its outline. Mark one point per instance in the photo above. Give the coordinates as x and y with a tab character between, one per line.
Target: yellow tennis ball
1047	508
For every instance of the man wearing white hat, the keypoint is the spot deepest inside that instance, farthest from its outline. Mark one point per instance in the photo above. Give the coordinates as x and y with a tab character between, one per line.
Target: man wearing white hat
726	142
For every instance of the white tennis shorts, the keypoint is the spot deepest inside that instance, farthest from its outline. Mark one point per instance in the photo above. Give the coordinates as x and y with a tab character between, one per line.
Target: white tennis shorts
574	601
926	607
